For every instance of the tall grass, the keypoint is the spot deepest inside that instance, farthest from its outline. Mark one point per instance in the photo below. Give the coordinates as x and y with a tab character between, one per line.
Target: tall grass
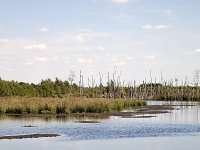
65	106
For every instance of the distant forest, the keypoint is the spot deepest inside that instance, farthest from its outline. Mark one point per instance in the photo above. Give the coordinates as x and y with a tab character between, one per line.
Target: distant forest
113	89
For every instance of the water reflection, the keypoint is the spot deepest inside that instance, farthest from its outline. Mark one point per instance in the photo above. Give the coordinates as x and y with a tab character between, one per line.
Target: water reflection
184	113
51	118
178	129
183	120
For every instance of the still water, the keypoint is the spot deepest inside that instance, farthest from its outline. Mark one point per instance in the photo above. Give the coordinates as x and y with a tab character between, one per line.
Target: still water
179	129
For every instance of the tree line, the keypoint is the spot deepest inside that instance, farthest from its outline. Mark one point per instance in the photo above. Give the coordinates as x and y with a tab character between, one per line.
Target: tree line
114	88
46	88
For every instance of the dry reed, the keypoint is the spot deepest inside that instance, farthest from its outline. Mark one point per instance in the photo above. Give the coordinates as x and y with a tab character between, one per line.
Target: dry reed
15	105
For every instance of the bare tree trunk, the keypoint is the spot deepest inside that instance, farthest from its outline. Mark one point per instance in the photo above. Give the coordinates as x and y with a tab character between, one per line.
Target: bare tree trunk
151	85
135	89
108	84
100	83
93	83
80	82
82	87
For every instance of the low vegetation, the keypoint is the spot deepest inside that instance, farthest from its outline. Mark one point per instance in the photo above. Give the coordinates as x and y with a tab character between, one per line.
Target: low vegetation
13	105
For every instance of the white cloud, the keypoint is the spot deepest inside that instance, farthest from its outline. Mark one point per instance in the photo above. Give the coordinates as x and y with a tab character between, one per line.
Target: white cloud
114	59
129	58
78	38
167	12
197	51
55	58
3	40
85	61
157	27
28	63
41	59
150	57
35	46
100	48
44	29
120	1
6	68
87	49
118	62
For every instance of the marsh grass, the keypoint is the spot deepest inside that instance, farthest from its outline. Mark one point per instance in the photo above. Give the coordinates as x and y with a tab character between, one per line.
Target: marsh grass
1	110
17	105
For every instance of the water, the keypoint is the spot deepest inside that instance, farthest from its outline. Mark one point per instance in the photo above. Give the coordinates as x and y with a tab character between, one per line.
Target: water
179	129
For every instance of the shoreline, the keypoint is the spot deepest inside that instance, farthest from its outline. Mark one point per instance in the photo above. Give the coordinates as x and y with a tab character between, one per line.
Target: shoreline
27	136
150	111
145	110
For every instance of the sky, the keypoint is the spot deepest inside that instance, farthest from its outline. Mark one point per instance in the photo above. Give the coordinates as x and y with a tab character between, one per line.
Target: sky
42	39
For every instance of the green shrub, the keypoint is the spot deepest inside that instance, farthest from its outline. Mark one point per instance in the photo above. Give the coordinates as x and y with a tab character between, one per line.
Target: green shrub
77	109
101	108
14	110
30	109
60	109
90	109
42	109
117	106
46	112
1	111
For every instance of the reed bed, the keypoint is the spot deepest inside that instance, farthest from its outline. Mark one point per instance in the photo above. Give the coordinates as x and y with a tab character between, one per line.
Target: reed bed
14	105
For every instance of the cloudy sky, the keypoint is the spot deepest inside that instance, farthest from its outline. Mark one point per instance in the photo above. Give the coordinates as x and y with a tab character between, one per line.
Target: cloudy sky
42	39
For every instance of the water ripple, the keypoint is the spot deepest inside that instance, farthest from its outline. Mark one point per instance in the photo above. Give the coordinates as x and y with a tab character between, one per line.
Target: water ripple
109	130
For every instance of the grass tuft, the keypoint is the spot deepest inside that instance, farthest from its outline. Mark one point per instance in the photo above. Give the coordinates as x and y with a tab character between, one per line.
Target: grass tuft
65	106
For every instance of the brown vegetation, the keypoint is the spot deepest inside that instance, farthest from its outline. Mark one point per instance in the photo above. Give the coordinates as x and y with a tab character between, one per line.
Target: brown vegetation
65	106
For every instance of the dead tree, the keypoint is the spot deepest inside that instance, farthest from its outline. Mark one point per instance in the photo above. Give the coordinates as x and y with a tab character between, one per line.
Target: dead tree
80	85
71	78
100	84
108	85
93	83
114	82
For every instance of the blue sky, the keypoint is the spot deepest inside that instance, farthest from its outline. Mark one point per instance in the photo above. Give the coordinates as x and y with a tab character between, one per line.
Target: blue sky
50	38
